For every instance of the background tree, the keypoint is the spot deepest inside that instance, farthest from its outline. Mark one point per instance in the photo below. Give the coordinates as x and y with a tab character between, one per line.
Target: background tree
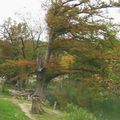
19	42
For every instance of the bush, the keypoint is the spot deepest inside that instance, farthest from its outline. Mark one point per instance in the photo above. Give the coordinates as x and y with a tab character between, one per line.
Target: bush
76	113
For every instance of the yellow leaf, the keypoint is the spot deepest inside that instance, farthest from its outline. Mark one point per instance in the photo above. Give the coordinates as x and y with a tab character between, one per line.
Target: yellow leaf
67	60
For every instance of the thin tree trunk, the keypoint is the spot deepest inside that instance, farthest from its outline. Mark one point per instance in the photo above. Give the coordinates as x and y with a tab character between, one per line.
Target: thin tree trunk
23	48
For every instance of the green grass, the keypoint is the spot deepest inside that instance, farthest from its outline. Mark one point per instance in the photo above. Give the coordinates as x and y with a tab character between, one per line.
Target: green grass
9	111
49	117
51	114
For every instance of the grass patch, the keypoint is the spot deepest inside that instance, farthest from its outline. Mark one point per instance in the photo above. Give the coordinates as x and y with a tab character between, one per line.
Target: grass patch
9	111
50	117
51	114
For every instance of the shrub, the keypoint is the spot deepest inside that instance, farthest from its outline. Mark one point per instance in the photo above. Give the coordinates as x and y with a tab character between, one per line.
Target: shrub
76	113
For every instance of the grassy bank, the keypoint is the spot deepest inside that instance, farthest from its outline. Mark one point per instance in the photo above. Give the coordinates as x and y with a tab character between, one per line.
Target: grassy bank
9	111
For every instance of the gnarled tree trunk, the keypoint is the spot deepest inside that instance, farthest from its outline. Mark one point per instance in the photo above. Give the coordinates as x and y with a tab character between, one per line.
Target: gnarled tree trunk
40	94
42	79
37	105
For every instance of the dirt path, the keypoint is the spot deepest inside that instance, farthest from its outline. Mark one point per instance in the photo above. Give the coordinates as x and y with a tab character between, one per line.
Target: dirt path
25	107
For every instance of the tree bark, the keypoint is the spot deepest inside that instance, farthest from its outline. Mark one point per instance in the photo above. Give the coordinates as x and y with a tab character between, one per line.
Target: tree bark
37	105
42	82
40	94
41	87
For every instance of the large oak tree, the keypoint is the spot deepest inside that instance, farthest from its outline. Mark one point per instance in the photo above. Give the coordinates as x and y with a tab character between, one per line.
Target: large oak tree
77	30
